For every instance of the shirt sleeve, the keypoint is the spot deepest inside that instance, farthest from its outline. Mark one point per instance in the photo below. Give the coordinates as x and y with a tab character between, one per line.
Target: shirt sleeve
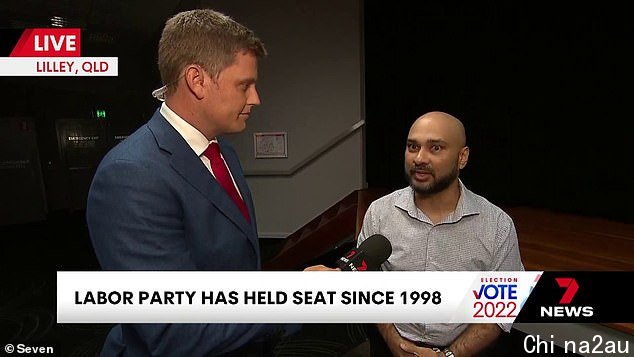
368	227
507	253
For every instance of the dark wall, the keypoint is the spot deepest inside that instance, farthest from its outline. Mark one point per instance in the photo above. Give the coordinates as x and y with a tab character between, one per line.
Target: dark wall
59	107
544	93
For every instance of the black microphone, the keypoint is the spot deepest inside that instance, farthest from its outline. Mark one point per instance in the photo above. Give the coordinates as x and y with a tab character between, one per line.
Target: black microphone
370	254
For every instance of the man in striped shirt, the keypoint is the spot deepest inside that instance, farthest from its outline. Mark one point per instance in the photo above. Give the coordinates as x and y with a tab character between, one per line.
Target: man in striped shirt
437	224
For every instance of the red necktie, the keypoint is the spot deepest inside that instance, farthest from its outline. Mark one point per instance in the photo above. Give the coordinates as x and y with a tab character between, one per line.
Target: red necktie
223	177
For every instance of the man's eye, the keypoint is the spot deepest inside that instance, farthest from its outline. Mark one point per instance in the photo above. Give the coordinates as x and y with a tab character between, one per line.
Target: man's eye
436	148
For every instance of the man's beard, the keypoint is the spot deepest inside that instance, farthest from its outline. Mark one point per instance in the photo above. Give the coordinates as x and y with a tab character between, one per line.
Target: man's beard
438	184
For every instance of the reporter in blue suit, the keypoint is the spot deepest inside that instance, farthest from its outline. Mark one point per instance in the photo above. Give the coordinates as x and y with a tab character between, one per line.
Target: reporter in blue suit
157	201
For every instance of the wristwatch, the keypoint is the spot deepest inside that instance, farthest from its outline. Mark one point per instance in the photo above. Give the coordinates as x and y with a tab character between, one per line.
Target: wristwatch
446	352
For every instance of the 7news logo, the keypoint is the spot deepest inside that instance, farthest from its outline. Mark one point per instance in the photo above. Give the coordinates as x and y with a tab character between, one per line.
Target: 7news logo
565	309
353	261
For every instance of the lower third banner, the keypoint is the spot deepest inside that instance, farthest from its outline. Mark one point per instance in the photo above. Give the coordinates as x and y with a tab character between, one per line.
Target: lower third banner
289	297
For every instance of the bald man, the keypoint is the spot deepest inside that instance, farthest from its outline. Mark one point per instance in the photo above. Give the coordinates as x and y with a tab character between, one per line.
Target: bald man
437	224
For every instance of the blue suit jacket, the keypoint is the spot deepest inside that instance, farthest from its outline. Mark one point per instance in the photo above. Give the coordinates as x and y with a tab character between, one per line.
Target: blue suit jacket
153	205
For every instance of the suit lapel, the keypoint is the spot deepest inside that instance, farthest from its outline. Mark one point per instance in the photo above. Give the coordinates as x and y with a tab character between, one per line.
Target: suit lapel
192	170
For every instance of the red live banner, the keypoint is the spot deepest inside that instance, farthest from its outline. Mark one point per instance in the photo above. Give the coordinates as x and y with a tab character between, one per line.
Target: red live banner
48	42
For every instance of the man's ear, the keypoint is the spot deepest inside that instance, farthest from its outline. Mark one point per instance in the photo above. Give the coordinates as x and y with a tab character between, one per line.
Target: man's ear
196	81
463	157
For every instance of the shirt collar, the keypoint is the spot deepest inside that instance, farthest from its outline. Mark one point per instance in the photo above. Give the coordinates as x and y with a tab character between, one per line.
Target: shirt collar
467	204
194	138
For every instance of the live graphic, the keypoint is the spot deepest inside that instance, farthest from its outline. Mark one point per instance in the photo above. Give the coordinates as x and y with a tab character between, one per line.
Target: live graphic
50	52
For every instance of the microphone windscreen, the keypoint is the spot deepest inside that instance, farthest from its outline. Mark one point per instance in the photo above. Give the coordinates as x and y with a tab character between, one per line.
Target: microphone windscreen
376	248
370	254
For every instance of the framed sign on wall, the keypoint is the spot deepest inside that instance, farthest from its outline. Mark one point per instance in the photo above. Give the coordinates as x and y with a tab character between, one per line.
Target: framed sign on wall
270	145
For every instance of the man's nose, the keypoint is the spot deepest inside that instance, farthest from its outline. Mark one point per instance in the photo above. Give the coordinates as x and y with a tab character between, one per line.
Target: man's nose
421	157
254	97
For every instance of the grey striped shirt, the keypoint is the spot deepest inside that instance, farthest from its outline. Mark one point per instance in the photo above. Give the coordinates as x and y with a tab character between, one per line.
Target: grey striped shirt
477	236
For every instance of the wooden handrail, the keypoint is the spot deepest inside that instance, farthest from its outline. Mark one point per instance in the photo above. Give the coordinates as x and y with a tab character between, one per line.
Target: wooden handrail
326	147
339	225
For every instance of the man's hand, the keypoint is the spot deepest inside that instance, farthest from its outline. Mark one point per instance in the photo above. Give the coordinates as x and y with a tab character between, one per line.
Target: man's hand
321	268
401	347
412	350
475	338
